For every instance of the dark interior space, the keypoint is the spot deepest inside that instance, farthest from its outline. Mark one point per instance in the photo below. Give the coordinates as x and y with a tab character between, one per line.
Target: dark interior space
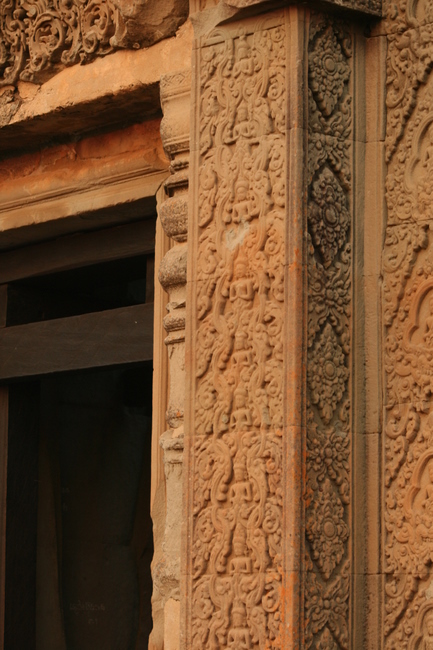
79	540
79	537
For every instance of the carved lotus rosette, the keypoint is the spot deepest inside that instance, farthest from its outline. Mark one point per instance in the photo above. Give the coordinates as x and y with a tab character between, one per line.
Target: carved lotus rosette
326	529
329	440
328	215
327	374
326	606
328	69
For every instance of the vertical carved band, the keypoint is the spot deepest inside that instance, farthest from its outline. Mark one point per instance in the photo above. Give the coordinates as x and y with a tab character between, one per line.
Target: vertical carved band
408	323
329	434
235	443
175	92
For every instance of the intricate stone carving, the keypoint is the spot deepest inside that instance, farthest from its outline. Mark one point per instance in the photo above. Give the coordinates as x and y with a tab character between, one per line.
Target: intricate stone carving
327	584
39	37
236	445
407	309
173	214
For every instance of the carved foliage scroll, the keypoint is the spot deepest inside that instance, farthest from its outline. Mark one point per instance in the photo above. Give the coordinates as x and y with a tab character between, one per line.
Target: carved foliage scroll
408	344
329	336
40	37
235	586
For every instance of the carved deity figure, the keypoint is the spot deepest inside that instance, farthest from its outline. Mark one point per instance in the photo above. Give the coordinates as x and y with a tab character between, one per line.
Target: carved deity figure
427	642
241	417
242	208
239	637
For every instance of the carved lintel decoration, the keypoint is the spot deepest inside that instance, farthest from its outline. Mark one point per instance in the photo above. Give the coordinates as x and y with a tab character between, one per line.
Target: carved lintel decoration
329	432
407	301
40	37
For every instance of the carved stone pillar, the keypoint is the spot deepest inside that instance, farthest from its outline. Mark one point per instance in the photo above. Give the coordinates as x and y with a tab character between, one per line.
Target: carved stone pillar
173	216
245	424
271	438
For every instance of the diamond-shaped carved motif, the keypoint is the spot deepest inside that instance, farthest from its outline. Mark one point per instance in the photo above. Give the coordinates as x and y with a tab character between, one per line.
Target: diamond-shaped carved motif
327	373
327	531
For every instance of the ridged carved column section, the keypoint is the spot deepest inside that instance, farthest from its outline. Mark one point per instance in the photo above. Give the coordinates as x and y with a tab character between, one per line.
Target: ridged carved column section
173	215
329	405
236	340
407	302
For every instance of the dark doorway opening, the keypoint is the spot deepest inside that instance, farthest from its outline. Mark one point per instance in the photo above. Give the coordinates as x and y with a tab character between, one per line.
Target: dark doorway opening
76	365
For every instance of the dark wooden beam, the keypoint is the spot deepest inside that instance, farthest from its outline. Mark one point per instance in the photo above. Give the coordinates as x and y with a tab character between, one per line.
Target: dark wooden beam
21	517
74	251
98	339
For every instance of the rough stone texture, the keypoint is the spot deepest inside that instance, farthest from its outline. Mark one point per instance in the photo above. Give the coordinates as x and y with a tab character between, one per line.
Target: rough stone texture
41	38
62	187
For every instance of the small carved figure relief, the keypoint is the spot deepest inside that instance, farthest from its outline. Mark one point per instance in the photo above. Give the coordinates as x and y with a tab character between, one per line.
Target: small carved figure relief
237	446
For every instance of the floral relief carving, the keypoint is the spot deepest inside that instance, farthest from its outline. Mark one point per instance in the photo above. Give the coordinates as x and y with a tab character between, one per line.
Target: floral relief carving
327	373
328	490
328	214
407	264
40	37
326	529
236	450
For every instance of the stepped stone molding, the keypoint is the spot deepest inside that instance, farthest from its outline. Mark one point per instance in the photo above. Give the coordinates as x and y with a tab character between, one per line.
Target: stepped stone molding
407	306
329	419
175	91
40	37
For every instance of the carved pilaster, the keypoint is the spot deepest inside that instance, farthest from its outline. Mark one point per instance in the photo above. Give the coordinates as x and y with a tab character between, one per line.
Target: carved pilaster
173	215
329	407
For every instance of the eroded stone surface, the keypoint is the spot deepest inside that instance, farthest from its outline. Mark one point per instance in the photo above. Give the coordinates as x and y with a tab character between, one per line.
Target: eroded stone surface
172	274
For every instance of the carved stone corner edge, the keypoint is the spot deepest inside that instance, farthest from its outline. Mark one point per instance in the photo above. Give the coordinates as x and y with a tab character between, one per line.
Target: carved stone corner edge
173	206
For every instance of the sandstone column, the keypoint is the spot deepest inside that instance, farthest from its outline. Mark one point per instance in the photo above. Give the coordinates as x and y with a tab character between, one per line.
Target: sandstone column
173	216
269	559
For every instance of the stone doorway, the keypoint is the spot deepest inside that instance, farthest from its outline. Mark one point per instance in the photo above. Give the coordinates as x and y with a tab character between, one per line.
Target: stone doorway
77	388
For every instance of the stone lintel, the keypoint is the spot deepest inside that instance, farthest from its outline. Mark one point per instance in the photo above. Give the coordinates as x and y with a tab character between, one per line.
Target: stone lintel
39	39
111	91
100	180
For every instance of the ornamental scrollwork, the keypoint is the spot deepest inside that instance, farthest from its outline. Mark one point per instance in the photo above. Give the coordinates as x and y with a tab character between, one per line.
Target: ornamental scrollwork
237	464
40	37
407	300
328	493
